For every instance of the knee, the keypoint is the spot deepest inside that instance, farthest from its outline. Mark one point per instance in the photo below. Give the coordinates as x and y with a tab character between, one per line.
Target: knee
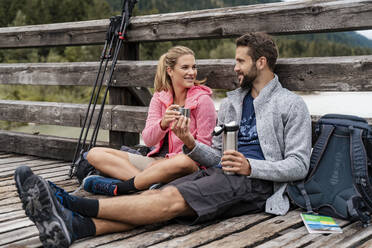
184	164
176	204
95	155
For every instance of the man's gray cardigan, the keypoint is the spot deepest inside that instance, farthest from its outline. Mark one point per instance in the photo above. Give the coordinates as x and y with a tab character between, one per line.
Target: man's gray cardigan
284	131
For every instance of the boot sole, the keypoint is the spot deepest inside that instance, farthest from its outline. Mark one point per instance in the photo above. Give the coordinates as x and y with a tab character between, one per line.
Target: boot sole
43	211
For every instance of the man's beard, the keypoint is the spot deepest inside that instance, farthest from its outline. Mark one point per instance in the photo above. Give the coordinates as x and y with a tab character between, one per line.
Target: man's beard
249	78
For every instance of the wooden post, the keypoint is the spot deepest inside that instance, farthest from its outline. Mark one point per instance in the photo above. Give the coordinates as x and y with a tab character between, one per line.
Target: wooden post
135	96
122	96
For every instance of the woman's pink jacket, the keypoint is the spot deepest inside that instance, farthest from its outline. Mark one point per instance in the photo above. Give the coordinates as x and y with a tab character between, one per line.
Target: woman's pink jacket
202	114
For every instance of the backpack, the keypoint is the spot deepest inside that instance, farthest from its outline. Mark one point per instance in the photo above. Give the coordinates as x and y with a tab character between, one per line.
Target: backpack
339	180
84	168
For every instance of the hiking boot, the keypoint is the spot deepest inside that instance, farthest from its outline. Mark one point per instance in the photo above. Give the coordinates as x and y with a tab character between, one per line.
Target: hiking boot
61	195
53	221
101	185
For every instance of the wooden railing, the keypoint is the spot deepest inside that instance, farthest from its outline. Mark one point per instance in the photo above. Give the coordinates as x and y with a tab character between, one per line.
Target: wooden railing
130	83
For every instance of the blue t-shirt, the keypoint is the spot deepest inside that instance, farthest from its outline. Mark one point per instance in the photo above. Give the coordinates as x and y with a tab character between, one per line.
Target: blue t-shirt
248	142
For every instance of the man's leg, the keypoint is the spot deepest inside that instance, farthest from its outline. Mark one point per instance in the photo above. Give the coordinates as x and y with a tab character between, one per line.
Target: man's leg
114	163
109	226
146	208
59	226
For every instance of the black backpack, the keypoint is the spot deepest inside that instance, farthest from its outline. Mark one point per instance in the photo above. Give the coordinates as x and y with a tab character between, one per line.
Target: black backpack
339	180
84	168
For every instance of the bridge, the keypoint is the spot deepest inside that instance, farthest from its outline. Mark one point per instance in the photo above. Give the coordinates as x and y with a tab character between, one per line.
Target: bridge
124	117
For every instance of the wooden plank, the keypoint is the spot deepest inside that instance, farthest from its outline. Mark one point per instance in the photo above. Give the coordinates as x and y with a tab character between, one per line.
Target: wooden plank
15	214
10	208
152	237
32	242
349	73
280	18
104	239
367	244
297	237
39	145
18	159
46	174
118	118
50	113
123	118
6	155
18	235
215	231
15	224
8	170
260	232
130	118
351	237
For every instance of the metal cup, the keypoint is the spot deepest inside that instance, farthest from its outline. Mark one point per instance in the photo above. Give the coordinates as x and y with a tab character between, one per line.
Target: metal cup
184	111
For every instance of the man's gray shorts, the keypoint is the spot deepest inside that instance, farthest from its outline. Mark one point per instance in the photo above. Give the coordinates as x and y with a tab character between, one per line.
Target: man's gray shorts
213	194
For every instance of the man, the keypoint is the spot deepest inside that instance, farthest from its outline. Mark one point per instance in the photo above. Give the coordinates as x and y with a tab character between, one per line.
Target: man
274	148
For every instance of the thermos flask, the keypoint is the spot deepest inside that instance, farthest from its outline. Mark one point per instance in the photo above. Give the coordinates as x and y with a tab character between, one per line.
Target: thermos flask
229	137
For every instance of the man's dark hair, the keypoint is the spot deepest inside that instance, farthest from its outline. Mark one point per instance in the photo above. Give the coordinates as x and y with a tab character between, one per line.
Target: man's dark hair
261	45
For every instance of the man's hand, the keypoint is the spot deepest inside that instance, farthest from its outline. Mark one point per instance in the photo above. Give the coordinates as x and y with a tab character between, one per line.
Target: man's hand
234	161
171	114
181	128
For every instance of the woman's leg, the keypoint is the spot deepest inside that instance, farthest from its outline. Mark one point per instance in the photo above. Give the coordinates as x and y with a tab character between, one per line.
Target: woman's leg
114	163
165	170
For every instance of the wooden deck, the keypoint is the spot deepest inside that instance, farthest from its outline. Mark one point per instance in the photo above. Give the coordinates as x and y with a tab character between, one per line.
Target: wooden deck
258	230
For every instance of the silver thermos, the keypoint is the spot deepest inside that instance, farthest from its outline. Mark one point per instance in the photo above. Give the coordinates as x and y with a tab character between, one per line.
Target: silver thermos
229	138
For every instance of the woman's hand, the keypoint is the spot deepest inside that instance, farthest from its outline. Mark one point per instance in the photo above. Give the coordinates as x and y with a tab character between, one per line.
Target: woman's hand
171	114
181	128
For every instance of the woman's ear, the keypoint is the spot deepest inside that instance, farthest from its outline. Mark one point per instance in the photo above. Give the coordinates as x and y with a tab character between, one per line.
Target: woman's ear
169	72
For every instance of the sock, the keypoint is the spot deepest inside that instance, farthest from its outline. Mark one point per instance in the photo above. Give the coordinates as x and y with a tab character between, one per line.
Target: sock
82	226
84	206
126	187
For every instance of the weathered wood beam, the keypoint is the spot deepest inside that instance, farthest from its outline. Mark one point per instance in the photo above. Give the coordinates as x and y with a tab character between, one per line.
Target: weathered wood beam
51	113
275	18
115	118
63	148
349	73
39	145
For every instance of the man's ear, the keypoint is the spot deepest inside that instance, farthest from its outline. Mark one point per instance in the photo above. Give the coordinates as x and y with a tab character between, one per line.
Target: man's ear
261	63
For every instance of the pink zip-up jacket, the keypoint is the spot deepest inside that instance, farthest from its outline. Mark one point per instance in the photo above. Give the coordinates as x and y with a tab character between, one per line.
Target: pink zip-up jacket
202	115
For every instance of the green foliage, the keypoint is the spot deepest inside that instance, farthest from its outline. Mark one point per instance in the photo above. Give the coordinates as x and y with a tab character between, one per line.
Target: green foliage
167	6
289	47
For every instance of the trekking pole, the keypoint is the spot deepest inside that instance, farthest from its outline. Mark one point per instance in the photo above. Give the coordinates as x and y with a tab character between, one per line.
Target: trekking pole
105	56
115	35
127	7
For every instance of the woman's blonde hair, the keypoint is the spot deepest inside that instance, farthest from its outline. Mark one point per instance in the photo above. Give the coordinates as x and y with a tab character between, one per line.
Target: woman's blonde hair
169	59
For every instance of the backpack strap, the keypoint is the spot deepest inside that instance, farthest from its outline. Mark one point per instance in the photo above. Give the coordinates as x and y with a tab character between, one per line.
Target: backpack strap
360	172
316	155
301	187
320	146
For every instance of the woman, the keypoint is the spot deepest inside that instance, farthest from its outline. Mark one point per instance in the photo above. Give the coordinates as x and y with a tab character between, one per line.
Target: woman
175	86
